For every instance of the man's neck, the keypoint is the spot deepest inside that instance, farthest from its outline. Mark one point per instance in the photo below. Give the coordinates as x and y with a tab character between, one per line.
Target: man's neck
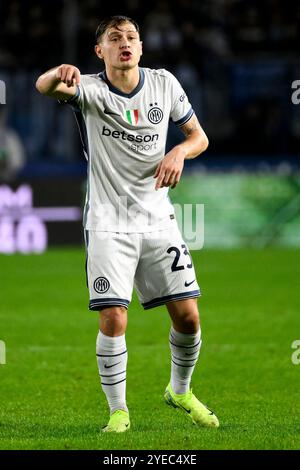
124	80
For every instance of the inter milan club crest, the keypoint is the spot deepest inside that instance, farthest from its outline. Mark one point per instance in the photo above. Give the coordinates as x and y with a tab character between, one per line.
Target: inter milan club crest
101	285
155	114
132	116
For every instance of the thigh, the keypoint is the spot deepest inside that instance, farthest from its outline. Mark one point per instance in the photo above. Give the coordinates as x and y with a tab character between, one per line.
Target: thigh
165	271
111	264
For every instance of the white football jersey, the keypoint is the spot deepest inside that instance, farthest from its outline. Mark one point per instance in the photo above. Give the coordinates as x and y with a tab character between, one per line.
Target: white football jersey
124	138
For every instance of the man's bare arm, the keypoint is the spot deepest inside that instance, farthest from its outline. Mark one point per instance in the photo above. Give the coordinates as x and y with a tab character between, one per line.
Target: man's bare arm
196	140
60	82
168	171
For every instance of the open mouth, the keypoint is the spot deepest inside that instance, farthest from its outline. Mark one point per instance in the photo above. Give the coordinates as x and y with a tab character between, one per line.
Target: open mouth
125	55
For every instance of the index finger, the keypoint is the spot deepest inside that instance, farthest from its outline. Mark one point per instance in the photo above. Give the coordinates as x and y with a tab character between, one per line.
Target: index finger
77	76
160	178
157	170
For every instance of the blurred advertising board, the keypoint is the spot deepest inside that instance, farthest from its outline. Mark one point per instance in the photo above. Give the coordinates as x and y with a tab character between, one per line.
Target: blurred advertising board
242	209
38	214
212	210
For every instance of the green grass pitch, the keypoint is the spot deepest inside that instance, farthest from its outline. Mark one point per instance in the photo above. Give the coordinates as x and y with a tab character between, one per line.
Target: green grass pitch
50	389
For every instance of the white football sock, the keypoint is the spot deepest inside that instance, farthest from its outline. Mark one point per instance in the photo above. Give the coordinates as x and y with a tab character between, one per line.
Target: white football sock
184	355
112	361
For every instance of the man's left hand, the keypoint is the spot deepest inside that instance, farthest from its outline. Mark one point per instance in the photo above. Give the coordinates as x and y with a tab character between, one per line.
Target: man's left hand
168	171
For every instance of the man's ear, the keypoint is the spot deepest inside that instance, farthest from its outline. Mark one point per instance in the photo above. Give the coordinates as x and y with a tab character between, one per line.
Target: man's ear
98	51
141	47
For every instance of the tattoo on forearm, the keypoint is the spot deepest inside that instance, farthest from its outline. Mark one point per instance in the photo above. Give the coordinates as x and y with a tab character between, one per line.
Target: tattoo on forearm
190	130
191	126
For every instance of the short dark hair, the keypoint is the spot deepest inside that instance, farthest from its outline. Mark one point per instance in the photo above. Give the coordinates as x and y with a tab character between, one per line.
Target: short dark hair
111	22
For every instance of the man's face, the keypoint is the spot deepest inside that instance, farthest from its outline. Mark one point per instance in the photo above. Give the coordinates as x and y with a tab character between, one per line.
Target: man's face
120	47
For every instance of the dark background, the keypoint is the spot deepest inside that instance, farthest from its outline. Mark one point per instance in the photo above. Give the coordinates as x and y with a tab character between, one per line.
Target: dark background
236	60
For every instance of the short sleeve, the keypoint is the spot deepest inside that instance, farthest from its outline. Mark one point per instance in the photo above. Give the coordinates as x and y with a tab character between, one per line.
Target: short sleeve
85	94
73	101
181	109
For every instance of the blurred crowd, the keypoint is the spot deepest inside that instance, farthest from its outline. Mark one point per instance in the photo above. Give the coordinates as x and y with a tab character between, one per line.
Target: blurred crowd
37	33
235	58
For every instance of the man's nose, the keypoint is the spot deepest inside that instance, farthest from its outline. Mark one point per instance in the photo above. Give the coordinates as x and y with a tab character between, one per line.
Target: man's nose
124	43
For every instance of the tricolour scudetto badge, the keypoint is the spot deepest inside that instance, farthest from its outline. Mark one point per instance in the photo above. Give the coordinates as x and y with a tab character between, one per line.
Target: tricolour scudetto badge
132	116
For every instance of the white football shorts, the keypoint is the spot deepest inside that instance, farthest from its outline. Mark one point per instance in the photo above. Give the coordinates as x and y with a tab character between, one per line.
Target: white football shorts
158	264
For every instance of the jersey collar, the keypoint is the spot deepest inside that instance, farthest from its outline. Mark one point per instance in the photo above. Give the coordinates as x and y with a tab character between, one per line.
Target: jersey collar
119	92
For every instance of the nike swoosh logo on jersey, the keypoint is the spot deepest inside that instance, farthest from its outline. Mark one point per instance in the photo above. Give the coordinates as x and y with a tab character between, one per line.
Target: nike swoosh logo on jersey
110	113
108	367
187	284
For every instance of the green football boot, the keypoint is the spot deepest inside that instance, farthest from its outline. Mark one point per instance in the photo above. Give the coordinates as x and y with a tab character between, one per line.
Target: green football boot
118	422
199	413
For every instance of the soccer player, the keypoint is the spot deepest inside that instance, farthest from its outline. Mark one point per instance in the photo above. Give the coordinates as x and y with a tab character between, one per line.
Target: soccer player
131	232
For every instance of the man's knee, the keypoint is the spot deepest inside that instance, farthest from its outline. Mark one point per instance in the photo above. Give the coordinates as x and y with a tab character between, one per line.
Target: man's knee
190	320
185	315
113	319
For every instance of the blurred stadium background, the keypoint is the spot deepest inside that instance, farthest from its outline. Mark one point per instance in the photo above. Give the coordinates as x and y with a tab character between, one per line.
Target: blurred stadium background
237	60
